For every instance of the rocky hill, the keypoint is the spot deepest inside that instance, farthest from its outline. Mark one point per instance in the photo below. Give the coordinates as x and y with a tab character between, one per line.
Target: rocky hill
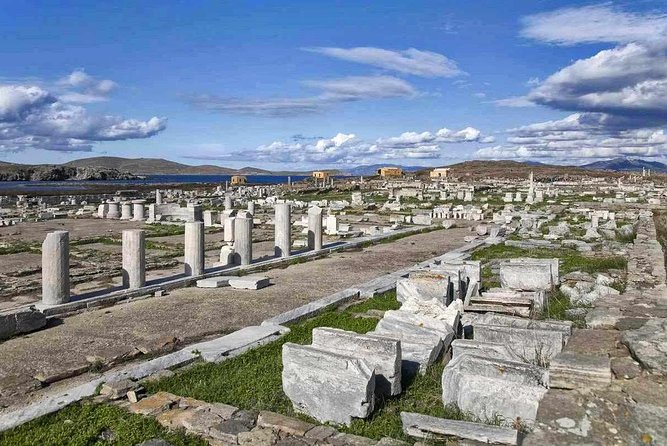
157	166
627	165
24	172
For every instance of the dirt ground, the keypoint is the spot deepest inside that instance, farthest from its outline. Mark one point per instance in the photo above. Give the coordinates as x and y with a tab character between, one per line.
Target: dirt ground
189	314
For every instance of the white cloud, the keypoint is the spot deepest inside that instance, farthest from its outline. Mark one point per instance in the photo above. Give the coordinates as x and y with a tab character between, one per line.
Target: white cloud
349	149
516	101
81	88
32	117
333	91
592	24
410	61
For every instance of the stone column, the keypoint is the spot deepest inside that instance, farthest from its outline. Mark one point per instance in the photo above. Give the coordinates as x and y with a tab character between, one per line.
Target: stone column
283	228
210	218
139	210
134	258
158	196
55	268
194	248
126	211
243	238
228	203
315	228
251	207
228	220
102	210
114	210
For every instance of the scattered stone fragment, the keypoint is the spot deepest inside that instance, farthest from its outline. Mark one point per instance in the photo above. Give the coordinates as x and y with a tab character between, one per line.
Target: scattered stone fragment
648	344
570	370
282	423
249	282
214	282
432	428
117	389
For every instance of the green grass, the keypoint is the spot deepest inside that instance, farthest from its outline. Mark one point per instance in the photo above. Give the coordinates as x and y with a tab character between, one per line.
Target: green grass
18	247
160	230
557	308
570	259
88	424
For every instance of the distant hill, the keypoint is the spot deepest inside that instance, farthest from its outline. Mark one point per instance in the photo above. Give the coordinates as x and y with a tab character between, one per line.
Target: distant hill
158	166
627	165
373	168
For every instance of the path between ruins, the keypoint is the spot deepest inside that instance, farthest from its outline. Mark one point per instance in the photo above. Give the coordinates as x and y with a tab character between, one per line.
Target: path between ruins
190	314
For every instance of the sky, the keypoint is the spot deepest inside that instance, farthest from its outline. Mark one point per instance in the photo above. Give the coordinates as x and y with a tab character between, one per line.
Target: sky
315	84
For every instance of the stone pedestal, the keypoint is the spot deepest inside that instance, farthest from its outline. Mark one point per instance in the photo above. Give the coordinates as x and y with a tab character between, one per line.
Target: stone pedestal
283	229
55	268
126	211
194	248
210	218
243	238
134	258
251	207
228	203
114	210
228	218
138	210
158	196
102	210
315	228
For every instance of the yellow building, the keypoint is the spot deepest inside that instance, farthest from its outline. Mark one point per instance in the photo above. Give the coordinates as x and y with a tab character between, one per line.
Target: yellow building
439	173
320	175
390	171
239	179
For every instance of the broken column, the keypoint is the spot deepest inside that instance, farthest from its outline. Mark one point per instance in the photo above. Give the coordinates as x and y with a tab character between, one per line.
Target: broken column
55	268
228	218
158	196
194	248
114	210
315	228
126	211
210	218
251	207
138	210
283	229
134	258
228	202
243	238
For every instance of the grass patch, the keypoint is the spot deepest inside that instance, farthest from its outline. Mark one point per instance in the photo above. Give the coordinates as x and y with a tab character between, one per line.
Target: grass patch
558	307
160	230
570	259
93	424
104	240
18	247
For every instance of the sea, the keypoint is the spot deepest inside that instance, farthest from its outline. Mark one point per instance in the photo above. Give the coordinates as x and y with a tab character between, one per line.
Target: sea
157	180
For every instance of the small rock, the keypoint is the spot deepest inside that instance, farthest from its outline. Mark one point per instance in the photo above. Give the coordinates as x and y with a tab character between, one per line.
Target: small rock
283	423
259	436
566	423
625	368
321	433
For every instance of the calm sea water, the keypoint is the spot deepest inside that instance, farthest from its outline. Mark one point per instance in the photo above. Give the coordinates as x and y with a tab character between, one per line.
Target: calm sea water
164	180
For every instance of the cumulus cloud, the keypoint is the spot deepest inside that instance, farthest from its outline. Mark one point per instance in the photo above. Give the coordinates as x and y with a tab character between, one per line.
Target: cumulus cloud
348	148
332	91
411	61
580	135
80	87
32	117
594	24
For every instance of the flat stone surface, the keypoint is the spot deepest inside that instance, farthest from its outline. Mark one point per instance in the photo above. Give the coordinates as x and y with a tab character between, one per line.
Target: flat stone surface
427	427
320	433
214	282
249	282
282	423
648	345
350	440
569	370
155	404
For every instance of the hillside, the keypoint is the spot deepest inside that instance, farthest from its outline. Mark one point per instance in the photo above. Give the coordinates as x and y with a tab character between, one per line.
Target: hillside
513	169
627	165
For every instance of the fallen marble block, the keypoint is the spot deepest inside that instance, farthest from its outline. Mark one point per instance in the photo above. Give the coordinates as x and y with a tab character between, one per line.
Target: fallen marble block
518	276
442	328
420	346
214	282
432	428
530	345
424	286
490	387
327	386
16	322
479	348
564	327
249	282
569	370
382	353
435	309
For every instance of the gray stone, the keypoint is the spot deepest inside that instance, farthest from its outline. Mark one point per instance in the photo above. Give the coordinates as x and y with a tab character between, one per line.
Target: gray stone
249	282
350	440
488	387
321	433
55	268
257	437
526	276
155	442
443	329
530	345
486	349
565	327
117	389
424	287
420	346
282	423
648	344
134	258
214	282
15	322
432	428
194	248
315	228
381	353
327	386
570	370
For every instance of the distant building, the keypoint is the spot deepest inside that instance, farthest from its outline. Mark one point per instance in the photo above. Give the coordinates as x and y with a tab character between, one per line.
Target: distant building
390	171
439	173
239	179
320	175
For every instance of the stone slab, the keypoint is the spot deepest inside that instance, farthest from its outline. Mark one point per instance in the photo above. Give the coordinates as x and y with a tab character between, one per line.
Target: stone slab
249	282
214	282
432	428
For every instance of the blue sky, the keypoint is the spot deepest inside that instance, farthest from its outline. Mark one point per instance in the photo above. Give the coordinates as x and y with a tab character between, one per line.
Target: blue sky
309	84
